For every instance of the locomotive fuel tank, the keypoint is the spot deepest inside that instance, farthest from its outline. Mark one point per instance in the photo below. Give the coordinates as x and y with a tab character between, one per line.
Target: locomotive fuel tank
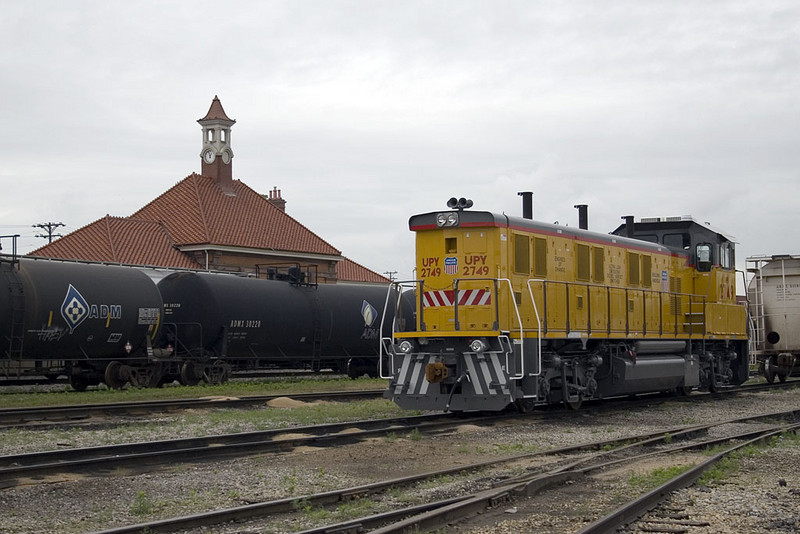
72	311
233	317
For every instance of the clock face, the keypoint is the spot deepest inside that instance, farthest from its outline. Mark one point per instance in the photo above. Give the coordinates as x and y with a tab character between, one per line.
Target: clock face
209	156
226	157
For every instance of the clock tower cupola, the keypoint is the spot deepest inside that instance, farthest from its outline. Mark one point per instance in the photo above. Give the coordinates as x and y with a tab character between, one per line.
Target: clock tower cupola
216	155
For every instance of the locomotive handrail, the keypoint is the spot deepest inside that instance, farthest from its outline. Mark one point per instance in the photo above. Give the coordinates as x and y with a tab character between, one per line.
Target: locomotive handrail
397	288
538	324
643	293
521	333
495	326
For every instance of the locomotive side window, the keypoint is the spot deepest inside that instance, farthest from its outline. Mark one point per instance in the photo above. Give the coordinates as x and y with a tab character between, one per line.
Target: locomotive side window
450	245
677	240
726	256
633	269
583	262
704	257
522	254
647	270
540	257
599	264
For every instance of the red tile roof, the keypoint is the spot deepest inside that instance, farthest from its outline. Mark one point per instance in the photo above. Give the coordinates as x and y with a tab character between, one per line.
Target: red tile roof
216	111
350	271
196	211
119	240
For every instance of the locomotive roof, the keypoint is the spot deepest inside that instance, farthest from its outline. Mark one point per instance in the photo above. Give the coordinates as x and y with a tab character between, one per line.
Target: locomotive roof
427	221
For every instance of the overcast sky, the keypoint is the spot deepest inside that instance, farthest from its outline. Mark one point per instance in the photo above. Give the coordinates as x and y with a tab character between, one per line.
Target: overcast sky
366	112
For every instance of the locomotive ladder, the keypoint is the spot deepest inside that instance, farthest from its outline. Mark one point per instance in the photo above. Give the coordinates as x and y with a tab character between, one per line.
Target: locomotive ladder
17	330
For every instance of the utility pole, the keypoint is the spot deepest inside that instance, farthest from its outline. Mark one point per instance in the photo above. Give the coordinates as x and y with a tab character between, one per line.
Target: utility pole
48	227
390	274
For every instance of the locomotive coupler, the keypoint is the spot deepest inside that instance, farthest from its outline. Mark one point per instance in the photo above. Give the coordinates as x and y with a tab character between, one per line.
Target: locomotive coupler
436	372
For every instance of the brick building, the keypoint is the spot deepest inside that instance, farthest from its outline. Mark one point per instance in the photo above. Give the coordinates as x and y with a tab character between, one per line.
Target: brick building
211	221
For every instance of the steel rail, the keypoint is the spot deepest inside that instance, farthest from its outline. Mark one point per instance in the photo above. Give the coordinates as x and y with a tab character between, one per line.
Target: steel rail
435	514
17	416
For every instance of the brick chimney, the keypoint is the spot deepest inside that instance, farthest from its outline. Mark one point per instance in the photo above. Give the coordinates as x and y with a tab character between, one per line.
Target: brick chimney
275	199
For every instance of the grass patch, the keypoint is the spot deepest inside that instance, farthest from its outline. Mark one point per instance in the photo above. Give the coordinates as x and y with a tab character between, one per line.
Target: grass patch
236	388
653	479
731	463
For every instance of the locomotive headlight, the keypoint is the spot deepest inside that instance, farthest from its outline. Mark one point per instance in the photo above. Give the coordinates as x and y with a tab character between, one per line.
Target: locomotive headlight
405	346
446	219
477	345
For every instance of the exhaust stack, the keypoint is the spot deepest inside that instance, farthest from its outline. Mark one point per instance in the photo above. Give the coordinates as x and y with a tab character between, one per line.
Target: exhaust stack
527	204
583	216
628	225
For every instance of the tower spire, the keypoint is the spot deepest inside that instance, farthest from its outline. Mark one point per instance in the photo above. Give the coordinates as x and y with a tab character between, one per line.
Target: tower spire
216	155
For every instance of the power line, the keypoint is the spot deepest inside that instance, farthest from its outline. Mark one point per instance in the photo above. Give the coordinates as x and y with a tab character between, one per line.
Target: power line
48	227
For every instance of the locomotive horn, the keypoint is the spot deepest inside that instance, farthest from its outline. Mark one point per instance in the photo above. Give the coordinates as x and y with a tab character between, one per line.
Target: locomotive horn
459	203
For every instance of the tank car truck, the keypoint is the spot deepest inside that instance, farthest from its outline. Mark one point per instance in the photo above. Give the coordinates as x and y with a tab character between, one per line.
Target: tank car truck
773	295
513	312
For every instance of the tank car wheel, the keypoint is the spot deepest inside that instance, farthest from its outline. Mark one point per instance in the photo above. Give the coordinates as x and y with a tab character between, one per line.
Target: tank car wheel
146	377
79	381
218	373
189	376
770	370
116	376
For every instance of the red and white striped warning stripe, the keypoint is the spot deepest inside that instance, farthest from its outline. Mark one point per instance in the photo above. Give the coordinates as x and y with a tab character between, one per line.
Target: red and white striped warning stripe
466	297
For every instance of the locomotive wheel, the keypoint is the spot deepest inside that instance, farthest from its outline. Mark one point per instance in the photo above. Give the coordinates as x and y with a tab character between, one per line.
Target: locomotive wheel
114	376
189	375
574	405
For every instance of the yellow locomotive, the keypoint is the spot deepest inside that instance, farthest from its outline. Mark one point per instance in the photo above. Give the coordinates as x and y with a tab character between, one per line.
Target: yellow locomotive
511	311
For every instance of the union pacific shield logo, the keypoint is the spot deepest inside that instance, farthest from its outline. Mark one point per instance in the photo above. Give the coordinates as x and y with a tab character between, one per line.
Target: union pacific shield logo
74	309
450	265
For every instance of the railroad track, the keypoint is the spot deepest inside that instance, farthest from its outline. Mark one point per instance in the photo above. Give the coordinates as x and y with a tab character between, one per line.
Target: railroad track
81	412
30	468
568	464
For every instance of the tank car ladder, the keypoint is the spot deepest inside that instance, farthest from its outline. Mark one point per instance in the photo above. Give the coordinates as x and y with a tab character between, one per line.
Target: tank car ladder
17	294
756	306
